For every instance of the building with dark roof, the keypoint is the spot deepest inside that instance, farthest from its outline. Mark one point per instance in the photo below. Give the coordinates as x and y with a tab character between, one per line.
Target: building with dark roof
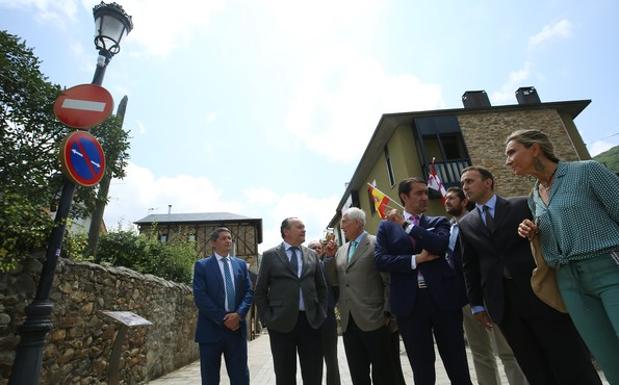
404	144
246	232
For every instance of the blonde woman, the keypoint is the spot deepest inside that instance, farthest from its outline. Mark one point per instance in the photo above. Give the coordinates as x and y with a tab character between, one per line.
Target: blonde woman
576	210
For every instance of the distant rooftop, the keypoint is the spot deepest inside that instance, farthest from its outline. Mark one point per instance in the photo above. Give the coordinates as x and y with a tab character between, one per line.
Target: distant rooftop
193	217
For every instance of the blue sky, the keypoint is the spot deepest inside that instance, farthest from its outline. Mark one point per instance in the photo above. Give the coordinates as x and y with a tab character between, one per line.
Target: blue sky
263	108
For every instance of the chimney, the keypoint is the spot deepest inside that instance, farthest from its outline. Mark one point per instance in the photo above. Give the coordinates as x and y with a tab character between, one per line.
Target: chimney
475	99
169	209
527	95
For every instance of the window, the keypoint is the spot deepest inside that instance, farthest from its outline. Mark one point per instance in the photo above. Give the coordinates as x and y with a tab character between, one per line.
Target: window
191	237
439	138
389	167
163	238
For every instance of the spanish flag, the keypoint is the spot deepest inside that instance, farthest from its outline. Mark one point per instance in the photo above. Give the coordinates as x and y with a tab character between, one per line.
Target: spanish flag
381	201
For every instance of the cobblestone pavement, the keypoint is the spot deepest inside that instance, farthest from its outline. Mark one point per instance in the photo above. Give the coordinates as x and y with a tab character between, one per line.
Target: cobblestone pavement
261	368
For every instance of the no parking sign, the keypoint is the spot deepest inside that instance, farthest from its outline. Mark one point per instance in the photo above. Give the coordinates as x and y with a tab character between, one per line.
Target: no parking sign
82	158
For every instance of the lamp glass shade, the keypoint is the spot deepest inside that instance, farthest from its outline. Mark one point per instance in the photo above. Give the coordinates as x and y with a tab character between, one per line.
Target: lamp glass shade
112	24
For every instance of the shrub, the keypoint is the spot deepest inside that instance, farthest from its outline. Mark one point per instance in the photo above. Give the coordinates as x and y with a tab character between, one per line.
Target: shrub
24	228
145	254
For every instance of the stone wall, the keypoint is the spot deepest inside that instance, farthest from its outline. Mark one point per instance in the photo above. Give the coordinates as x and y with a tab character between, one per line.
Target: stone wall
77	350
485	133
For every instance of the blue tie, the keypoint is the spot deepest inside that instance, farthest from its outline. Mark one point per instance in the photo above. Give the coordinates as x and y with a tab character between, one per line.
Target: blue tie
229	287
294	263
451	248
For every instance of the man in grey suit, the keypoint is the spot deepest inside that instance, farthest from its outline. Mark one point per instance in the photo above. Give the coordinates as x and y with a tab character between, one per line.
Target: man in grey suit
363	302
291	296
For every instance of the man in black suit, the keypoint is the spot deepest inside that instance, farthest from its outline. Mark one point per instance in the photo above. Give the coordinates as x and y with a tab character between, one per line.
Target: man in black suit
497	268
425	292
329	327
291	296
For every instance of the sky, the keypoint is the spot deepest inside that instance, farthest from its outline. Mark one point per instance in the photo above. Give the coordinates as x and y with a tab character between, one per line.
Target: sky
263	108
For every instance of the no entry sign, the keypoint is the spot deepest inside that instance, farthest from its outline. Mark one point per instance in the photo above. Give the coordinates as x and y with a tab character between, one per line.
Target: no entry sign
82	158
83	106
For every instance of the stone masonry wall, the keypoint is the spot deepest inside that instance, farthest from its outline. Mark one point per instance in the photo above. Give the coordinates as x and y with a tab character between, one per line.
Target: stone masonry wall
485	133
77	350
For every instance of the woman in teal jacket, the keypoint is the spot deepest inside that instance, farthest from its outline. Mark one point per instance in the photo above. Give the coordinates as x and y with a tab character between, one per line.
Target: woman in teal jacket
576	211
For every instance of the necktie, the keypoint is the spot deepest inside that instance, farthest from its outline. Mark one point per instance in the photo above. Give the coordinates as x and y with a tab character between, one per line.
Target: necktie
351	249
294	263
453	238
489	219
229	286
415	220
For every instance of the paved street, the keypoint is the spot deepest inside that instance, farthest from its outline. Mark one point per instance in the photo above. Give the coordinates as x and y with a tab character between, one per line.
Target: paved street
261	368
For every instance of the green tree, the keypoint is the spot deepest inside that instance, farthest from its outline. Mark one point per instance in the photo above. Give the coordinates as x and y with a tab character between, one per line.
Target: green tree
30	138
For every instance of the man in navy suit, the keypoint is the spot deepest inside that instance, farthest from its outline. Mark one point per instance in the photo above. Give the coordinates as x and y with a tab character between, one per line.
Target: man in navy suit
426	294
223	294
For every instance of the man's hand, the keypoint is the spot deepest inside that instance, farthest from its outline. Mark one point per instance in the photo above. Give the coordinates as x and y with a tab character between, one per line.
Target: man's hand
232	321
425	256
394	216
527	229
483	318
330	248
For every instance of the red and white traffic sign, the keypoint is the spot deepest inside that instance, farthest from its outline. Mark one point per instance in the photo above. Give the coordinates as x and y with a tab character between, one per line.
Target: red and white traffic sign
82	158
83	106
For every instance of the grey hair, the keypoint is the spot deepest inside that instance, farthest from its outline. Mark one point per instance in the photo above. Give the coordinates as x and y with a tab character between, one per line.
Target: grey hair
355	213
314	243
529	137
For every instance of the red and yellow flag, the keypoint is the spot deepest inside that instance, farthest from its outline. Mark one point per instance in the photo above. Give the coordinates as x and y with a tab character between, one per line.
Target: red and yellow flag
381	201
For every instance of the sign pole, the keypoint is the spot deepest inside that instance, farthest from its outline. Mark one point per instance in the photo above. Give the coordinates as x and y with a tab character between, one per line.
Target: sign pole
29	354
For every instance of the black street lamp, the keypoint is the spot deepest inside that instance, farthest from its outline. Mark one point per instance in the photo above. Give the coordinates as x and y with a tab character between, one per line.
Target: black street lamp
112	24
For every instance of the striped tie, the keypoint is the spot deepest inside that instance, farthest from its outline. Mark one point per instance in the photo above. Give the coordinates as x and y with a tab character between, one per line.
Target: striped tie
229	287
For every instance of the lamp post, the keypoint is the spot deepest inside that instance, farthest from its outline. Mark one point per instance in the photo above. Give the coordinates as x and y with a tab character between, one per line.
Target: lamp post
111	25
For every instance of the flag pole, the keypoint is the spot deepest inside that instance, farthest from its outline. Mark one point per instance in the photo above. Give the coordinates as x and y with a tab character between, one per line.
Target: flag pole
391	199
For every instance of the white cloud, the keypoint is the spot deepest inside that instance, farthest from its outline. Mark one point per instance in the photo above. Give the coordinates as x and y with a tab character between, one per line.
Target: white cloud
260	195
599	147
314	212
342	101
560	30
131	197
141	128
515	79
211	117
141	193
341	92
161	25
57	11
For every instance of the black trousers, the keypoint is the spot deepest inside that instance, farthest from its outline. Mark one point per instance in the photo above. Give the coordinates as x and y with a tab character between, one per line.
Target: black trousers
365	349
304	340
545	342
417	330
329	348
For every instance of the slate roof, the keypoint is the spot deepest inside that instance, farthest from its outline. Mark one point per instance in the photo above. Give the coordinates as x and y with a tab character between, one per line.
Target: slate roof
194	217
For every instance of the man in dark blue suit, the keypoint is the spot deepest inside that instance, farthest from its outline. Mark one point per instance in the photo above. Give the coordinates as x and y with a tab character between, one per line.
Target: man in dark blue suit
223	293
426	293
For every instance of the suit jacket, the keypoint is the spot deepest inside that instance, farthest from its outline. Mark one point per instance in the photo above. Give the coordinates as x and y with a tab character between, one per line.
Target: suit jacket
485	254
394	250
277	290
363	291
209	295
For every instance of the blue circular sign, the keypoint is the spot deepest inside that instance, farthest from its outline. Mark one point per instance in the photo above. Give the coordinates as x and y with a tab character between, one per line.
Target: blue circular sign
82	158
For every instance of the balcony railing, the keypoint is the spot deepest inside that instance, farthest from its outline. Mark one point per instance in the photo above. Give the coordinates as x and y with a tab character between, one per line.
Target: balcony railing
449	170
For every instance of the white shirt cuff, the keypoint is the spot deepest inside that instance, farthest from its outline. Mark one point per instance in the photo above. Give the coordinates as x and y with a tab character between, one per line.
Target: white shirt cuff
413	262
